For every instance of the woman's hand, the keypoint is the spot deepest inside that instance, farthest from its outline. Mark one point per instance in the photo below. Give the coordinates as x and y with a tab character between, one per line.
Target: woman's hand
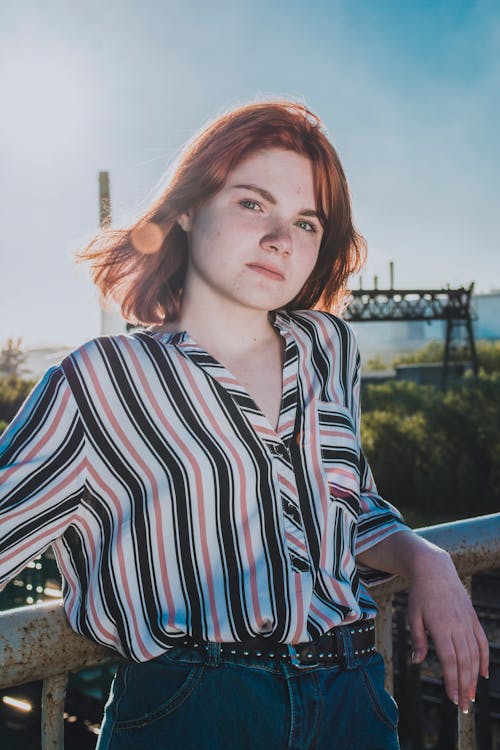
438	604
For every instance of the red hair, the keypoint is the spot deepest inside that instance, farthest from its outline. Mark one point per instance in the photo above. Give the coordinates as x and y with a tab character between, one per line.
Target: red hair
142	267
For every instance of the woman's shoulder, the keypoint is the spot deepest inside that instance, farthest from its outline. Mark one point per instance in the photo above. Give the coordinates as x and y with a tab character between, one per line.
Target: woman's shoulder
101	349
327	325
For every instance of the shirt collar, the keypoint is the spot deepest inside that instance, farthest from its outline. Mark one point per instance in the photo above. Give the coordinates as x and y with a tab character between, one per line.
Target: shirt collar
279	319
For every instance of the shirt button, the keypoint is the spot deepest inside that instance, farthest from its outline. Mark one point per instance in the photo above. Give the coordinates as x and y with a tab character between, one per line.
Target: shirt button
278	449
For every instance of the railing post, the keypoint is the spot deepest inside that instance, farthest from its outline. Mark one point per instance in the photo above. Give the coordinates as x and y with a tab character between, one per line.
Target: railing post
53	695
466	734
384	638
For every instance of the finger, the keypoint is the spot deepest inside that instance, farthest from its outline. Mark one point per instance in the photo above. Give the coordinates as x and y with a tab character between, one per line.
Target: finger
419	641
464	671
484	650
474	665
447	656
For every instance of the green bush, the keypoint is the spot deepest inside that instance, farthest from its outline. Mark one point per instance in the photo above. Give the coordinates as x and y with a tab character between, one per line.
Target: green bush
376	363
13	391
431	352
488	354
435	453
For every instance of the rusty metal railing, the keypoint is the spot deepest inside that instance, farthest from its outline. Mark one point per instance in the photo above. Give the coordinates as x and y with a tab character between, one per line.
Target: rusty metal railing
36	642
474	545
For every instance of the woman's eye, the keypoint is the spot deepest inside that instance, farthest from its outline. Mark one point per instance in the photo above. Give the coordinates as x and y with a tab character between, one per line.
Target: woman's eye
306	225
251	204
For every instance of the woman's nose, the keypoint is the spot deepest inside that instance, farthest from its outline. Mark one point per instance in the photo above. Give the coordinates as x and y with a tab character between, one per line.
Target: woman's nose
278	240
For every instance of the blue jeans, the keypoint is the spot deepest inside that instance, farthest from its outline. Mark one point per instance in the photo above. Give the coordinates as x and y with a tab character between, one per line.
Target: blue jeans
191	700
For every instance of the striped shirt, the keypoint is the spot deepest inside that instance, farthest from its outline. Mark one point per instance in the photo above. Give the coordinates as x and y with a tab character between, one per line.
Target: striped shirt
175	508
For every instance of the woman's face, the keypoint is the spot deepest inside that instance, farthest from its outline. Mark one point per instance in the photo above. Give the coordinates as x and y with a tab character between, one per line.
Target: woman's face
256	241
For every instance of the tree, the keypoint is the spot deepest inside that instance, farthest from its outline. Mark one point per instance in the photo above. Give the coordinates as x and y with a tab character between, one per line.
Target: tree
12	357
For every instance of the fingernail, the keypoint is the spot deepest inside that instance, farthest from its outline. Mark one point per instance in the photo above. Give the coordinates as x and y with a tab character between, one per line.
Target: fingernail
415	657
454	698
465	710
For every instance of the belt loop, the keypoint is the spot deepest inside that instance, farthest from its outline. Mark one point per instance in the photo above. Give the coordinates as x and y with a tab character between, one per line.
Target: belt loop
213	654
345	649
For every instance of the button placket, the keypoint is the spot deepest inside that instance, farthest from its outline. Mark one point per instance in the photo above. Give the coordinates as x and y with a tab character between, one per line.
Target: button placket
295	537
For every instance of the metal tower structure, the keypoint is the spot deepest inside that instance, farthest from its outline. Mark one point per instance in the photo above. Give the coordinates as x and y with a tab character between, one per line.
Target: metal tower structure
450	305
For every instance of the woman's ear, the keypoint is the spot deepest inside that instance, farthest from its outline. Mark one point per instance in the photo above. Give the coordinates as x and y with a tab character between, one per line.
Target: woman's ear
185	220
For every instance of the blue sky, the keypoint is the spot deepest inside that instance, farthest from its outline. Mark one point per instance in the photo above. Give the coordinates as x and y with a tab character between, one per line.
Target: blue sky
407	90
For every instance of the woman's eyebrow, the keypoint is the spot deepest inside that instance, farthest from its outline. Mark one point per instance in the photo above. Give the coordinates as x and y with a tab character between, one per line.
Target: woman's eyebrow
269	197
261	191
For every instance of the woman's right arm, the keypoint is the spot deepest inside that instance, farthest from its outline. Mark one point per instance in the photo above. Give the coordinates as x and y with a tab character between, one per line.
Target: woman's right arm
42	472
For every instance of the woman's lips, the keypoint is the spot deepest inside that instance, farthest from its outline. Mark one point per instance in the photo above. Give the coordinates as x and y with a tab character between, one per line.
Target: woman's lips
269	271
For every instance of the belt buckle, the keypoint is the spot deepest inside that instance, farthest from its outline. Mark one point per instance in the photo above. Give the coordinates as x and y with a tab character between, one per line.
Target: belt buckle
339	643
294	658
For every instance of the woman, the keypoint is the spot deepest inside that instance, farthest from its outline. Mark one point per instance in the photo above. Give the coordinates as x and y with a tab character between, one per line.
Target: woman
202	481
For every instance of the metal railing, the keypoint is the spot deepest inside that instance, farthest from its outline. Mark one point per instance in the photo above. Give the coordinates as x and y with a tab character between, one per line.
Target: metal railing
36	642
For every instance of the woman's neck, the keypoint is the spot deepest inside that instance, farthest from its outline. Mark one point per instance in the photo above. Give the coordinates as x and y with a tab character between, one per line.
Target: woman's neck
237	331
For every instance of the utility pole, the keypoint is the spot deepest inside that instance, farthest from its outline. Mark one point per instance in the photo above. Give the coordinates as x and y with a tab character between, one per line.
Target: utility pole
111	320
104	201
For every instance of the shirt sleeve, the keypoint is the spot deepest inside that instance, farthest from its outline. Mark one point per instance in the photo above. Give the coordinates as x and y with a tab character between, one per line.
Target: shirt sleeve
42	463
378	518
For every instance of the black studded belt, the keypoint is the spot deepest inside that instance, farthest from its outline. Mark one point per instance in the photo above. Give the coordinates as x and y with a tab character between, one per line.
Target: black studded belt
357	638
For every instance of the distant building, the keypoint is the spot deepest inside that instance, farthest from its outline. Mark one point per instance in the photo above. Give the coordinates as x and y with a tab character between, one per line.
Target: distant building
38	360
487	325
388	339
112	322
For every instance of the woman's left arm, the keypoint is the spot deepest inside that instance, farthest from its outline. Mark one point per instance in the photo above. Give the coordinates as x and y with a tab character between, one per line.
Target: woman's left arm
438	603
